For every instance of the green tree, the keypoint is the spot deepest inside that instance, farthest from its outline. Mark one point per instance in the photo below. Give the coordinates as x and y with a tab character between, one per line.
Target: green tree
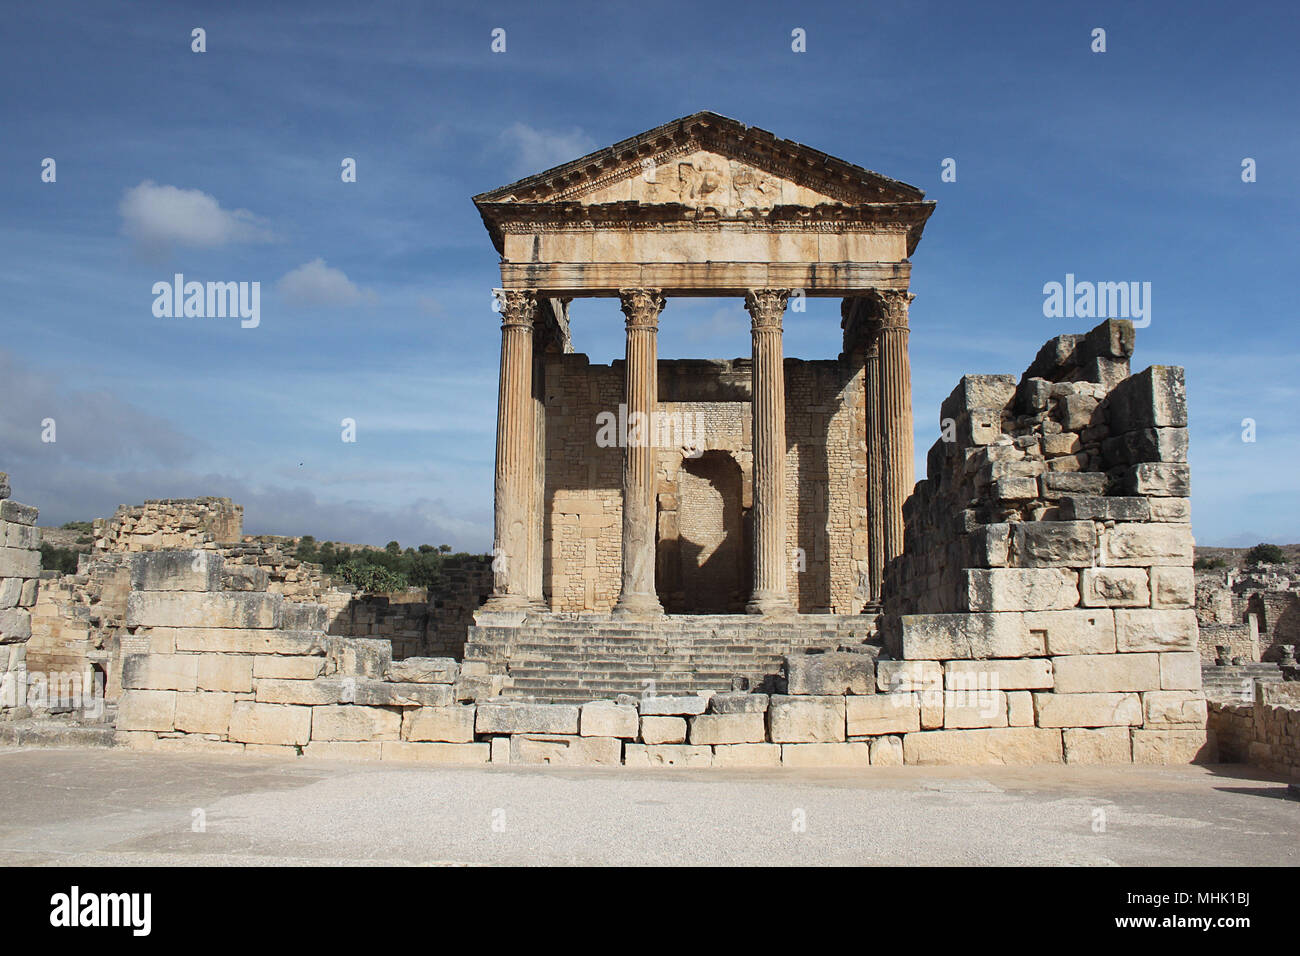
1265	554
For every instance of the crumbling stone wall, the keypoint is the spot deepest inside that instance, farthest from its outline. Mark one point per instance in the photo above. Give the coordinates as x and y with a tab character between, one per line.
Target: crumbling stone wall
1254	612
170	523
1265	732
826	501
1049	550
20	567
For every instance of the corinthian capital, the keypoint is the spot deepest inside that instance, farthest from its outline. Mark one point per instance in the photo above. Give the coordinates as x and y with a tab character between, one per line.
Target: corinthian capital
518	307
641	307
893	311
766	307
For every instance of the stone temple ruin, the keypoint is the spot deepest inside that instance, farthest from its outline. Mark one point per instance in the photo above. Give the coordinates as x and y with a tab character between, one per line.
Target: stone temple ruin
765	586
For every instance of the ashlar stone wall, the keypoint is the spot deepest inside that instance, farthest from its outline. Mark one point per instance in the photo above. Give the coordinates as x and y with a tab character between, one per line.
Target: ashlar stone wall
20	567
1048	552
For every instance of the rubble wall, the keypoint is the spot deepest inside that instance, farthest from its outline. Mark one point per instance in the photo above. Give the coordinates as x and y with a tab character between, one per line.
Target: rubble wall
20	569
1265	732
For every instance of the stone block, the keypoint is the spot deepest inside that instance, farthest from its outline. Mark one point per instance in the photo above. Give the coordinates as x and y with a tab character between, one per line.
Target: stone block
604	718
1114	587
220	640
381	693
848	754
1139	630
442	753
18	514
478	687
287	668
1098	745
1170	509
1049	544
225	672
989	546
565	750
805	719
1156	397
1180	671
233	609
1073	632
1003	746
667	755
1173	746
343	750
358	657
1088	710
22	536
747	755
323	690
1031	673
452	725
15	624
1020	708
882	714
673	706
1104	673
895	677
822	673
204	713
1020	589
941	637
1099	508
500	750
353	722
424	670
160	672
1158	480
1172	707
664	730
1015	489
19	563
1060	484
978	392
1173	587
974	707
740	702
886	751
520	718
708	729
256	723
1146	544
153	710
176	571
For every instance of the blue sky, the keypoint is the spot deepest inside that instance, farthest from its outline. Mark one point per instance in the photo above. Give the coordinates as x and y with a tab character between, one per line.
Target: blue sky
224	165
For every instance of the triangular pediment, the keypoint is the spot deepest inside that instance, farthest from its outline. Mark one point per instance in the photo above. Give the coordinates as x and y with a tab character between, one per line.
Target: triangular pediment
707	161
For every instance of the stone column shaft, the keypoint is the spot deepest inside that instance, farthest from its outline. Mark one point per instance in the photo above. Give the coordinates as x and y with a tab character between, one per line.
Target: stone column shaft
766	309
638	595
516	456
875	473
896	416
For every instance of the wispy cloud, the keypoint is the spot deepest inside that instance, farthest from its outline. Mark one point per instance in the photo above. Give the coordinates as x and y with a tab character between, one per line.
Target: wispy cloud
533	150
315	283
158	217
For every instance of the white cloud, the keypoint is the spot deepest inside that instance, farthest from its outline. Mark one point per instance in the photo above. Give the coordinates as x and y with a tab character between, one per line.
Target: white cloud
315	283
156	216
536	149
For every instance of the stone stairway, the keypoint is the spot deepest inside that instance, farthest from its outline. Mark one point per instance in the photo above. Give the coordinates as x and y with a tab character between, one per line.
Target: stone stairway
1230	682
570	657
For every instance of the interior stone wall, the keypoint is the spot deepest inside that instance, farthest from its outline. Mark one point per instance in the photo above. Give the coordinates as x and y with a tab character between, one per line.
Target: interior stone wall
709	401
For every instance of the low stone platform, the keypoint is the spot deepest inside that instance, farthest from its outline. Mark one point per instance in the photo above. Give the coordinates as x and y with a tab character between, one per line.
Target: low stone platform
581	657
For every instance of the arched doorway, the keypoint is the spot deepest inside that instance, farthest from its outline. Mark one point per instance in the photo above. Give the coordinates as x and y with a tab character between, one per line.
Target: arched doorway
711	551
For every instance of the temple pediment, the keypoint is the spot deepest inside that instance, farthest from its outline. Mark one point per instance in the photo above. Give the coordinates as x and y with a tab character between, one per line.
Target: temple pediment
706	161
701	204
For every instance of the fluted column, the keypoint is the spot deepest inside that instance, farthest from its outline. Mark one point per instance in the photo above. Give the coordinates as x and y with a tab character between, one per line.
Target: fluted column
875	471
516	456
638	596
896	415
766	308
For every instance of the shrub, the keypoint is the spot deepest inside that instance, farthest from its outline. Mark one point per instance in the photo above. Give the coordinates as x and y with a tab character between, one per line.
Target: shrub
63	560
1265	554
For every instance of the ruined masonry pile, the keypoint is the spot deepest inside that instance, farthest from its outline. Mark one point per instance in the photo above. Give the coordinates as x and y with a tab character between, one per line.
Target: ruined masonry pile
1048	554
169	523
1265	733
20	567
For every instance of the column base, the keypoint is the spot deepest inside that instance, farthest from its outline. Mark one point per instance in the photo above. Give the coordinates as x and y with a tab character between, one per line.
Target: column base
770	604
638	605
